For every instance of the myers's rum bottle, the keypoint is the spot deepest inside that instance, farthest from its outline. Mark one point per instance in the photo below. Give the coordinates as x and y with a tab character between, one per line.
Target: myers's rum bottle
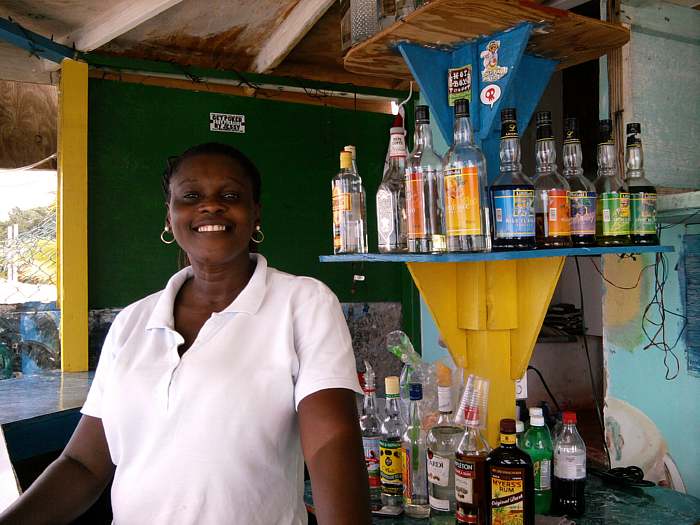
511	486
391	197
613	205
424	190
349	227
466	203
512	193
582	195
642	192
552	210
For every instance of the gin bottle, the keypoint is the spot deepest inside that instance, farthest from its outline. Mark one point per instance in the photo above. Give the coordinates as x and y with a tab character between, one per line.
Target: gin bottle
552	211
642	192
613	205
512	193
466	207
390	460
371	435
349	226
582	193
442	442
391	197
470	472
424	190
415	482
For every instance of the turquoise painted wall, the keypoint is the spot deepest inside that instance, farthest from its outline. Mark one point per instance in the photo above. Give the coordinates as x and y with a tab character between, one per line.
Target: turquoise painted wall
637	375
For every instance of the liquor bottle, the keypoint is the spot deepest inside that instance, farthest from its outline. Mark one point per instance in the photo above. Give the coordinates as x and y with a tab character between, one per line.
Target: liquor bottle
391	197
613	204
466	207
510	488
642	192
537	442
552	210
363	196
371	428
415	481
582	195
569	469
512	193
349	231
390	464
470	472
442	442
424	190
519	432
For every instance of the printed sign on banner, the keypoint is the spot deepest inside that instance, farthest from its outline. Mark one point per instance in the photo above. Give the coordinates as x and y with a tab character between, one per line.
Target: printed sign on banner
226	123
459	84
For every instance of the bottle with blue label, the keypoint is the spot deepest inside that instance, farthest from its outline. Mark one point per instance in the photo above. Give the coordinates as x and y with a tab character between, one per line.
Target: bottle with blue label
582	192
642	192
512	193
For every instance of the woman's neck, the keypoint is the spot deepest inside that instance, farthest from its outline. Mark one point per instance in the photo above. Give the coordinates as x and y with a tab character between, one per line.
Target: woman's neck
214	287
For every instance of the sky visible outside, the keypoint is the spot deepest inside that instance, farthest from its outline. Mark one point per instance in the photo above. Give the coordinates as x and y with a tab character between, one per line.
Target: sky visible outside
26	189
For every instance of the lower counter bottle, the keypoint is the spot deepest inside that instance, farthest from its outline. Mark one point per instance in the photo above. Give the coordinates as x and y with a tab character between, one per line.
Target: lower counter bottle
510	487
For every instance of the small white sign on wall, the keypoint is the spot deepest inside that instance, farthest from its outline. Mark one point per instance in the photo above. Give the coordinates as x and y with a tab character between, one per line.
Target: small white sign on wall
227	123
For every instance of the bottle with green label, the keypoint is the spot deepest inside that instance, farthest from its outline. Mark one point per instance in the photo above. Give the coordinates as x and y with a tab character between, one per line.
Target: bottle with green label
390	454
613	205
537	442
642	192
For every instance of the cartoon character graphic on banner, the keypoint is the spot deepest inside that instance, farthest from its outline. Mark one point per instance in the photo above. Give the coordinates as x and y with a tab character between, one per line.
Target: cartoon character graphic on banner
492	72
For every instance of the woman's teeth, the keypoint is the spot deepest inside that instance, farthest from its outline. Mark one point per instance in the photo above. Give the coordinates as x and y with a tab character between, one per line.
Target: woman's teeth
211	228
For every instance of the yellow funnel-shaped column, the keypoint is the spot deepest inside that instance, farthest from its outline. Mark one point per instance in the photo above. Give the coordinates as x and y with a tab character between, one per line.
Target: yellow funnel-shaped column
489	314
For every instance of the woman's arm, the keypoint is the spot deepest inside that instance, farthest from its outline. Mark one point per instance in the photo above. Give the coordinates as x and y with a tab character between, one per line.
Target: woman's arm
332	444
71	484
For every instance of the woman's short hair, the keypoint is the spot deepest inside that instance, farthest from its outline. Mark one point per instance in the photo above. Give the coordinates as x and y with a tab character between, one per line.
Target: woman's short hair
213	148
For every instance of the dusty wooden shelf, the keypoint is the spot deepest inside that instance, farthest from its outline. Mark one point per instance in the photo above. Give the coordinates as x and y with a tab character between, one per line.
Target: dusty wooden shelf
560	35
492	256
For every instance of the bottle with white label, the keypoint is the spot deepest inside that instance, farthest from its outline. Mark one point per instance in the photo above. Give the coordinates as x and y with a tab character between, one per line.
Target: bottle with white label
537	442
349	225
391	197
370	426
442	442
569	469
470	472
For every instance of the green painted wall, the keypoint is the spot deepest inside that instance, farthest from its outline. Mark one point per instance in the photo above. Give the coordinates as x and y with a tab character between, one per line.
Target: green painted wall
134	128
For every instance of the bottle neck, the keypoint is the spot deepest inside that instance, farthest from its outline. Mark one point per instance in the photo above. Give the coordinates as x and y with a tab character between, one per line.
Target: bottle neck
510	154
545	155
369	405
423	136
414	413
463	133
508	440
392	406
634	161
607	160
572	158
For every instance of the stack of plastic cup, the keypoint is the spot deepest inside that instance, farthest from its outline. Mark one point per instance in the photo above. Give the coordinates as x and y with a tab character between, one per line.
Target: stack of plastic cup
476	395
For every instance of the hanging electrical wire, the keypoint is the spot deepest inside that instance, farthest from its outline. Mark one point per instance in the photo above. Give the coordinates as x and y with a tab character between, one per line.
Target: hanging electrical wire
25	168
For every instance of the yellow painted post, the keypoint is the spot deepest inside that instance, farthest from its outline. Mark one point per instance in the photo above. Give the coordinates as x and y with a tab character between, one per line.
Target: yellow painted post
489	315
72	215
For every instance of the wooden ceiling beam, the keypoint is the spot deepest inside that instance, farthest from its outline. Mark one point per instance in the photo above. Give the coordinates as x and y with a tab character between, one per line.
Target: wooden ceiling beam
119	19
289	33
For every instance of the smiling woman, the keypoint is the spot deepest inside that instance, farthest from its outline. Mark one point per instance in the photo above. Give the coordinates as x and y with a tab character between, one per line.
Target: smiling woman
223	384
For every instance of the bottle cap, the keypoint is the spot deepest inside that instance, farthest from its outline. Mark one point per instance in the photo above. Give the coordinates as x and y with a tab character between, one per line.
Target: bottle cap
415	391
509	125
569	418
605	132
634	129
536	421
508	115
519	427
544	125
571	130
507	426
544	117
422	114
396	131
352	150
345	159
535	411
391	385
462	107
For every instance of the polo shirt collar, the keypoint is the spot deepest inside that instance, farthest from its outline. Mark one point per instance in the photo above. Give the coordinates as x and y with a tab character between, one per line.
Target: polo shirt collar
248	300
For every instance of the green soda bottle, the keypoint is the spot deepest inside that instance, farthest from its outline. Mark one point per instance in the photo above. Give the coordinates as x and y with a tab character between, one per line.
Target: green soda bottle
537	442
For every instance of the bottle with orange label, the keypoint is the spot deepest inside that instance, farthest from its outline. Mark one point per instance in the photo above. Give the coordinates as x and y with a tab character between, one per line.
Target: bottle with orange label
348	197
552	205
466	207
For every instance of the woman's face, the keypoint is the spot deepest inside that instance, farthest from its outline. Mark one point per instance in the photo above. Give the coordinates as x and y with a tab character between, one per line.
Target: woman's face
211	210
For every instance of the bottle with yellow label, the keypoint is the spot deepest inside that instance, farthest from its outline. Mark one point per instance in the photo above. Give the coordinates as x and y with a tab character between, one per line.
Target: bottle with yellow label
390	452
510	487
348	198
466	207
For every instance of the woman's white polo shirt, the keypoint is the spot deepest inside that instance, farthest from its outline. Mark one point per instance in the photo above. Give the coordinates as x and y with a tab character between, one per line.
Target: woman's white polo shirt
212	437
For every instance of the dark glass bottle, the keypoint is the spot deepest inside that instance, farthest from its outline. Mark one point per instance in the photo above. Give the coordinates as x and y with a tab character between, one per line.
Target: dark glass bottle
512	193
642	192
582	194
511	487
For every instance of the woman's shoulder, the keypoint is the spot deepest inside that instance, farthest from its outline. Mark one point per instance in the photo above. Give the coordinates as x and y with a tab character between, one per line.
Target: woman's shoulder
300	288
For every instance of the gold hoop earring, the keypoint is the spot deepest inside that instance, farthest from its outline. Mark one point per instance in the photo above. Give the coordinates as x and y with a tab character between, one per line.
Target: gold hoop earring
261	236
166	229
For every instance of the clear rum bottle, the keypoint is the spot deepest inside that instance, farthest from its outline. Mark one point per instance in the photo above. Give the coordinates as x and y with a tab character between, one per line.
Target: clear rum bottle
391	197
582	193
390	452
642	192
349	227
467	216
370	426
424	190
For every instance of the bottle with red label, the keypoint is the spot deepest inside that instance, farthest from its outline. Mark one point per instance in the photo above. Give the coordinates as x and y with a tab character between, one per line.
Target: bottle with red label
470	472
371	428
569	483
552	207
510	487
